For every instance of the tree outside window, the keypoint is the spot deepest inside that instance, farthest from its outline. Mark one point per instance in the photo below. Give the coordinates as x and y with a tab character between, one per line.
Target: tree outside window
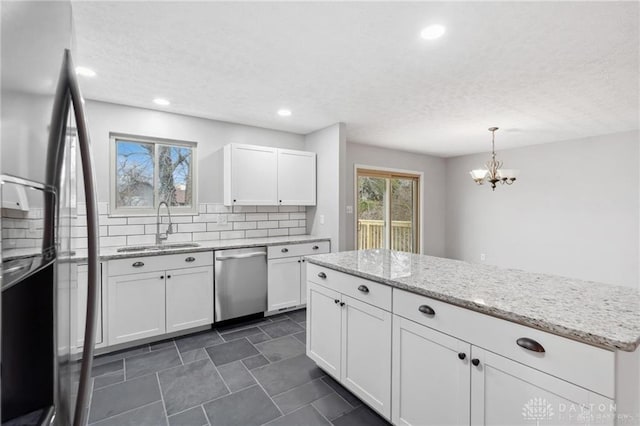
147	171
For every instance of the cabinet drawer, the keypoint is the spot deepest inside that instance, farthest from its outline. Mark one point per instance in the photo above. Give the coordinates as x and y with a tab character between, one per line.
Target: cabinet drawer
136	265
298	249
584	365
367	291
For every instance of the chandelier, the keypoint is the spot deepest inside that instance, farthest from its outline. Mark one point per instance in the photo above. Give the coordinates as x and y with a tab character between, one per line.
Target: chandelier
494	172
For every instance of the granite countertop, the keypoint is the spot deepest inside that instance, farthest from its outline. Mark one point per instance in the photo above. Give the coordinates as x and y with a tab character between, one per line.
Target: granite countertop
109	253
594	313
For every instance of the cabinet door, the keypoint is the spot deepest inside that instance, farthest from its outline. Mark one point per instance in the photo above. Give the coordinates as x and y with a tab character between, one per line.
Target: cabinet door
283	283
366	353
254	175
430	381
189	298
324	328
136	306
505	392
296	178
80	306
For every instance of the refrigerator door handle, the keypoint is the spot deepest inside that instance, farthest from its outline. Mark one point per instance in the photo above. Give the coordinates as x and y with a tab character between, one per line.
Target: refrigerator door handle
79	418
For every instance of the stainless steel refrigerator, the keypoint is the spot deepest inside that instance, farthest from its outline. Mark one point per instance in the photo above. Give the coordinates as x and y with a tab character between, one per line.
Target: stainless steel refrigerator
44	379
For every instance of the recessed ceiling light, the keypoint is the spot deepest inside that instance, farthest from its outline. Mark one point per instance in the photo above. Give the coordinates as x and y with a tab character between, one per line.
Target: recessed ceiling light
284	112
161	101
432	32
85	72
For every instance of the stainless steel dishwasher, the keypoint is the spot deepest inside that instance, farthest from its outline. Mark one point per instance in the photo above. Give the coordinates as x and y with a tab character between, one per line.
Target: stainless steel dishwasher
240	282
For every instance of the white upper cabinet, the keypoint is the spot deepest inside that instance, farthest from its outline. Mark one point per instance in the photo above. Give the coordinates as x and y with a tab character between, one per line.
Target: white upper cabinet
296	178
250	175
265	176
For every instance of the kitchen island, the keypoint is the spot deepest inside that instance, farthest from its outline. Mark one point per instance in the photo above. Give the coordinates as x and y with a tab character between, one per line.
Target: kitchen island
426	340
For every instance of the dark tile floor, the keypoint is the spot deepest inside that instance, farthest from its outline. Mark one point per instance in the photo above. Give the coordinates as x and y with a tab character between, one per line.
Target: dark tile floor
246	374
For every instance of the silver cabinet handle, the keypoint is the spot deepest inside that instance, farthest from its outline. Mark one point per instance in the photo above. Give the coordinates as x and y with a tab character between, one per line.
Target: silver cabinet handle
68	92
137	264
241	256
190	259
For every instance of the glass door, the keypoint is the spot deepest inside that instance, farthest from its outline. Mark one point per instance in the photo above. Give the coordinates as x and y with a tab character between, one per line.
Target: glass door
388	210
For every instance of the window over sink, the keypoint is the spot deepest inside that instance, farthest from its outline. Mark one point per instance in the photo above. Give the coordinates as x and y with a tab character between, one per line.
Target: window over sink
146	171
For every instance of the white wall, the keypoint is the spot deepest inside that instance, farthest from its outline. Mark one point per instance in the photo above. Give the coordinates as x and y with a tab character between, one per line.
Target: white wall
433	190
330	146
573	211
211	135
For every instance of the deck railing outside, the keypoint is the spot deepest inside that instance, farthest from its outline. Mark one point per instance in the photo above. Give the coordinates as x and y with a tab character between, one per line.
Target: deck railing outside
371	234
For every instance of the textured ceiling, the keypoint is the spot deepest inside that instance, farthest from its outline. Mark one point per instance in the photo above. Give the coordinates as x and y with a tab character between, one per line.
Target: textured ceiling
542	72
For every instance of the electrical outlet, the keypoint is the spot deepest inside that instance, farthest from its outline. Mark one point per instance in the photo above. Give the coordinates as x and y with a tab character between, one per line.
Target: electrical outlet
483	257
321	219
349	209
222	219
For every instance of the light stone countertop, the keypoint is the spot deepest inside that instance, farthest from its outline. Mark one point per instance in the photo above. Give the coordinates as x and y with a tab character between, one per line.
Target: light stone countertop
594	313
110	253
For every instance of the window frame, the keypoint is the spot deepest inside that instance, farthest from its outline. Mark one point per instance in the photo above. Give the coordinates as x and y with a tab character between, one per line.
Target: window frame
387	172
116	211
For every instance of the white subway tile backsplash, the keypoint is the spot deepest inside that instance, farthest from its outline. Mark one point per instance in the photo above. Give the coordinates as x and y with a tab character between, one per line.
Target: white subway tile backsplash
205	236
244	209
297	231
257	233
141	220
219	227
218	208
192	227
278	216
268	224
213	222
236	217
287	224
256	216
179	238
278	232
244	225
297	215
230	235
126	230
136	240
267	209
206	217
113	241
287	209
178	219
106	220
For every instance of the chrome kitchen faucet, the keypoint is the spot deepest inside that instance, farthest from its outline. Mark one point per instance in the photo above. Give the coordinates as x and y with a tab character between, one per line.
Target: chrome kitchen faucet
162	237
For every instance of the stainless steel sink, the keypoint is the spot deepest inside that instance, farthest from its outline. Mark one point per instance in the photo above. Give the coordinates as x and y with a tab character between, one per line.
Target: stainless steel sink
157	247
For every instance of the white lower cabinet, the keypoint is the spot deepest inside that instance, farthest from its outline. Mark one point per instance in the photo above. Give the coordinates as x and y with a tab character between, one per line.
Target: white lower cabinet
151	296
351	340
324	328
505	392
136	306
286	276
283	283
366	348
431	378
189	298
480	371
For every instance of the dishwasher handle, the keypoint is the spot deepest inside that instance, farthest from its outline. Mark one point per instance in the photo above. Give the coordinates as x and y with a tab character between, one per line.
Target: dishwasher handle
241	256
